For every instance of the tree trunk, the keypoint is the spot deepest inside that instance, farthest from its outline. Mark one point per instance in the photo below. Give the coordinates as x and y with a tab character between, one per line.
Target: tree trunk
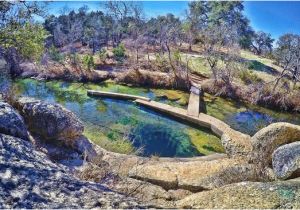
13	59
278	80
190	47
148	56
172	65
137	55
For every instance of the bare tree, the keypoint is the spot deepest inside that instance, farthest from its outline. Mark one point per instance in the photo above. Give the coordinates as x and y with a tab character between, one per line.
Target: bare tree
288	56
262	43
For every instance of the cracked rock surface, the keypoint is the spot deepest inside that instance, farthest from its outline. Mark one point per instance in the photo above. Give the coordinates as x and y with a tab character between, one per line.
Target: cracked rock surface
28	179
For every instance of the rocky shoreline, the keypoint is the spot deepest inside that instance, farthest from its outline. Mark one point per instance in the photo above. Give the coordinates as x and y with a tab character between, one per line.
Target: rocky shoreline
42	147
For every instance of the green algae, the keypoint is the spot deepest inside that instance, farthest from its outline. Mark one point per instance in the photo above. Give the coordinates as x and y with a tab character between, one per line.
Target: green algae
220	108
111	86
118	126
175	98
112	140
172	95
124	127
205	142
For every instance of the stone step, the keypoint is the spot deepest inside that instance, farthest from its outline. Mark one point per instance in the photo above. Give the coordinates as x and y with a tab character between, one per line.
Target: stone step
194	105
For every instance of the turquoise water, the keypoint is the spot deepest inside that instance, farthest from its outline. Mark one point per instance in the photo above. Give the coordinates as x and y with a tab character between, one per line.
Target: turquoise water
123	126
119	125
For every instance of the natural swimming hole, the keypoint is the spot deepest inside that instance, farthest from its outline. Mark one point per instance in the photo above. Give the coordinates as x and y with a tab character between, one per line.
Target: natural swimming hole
124	127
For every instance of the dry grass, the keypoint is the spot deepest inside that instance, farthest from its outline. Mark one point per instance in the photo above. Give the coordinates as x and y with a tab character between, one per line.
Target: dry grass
258	93
147	78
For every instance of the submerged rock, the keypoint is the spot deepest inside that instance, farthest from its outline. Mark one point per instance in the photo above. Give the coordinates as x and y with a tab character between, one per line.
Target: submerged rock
286	160
257	195
11	122
51	122
28	179
266	140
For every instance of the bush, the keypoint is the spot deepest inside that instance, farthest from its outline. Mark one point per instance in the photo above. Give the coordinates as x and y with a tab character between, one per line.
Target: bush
176	55
74	59
161	63
88	62
249	77
55	55
119	52
102	55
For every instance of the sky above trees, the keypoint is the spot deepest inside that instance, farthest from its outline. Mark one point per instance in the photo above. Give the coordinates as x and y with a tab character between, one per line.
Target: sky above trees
276	18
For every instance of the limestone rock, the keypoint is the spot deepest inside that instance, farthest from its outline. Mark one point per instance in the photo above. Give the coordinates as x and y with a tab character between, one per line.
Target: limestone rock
49	121
11	122
257	195
143	191
266	140
84	146
236	143
286	160
28	179
54	124
194	175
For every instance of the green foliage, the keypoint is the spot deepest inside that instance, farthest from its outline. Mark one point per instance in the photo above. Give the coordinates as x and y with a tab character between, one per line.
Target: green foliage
18	31
119	51
55	55
161	62
249	77
88	62
74	59
27	39
176	55
102	55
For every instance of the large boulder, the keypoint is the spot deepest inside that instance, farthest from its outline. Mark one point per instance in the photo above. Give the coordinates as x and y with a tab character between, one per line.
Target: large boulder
11	122
247	195
268	139
28	179
235	143
51	122
54	124
286	160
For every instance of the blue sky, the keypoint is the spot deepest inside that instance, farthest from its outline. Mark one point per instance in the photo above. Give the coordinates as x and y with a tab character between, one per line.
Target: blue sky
275	17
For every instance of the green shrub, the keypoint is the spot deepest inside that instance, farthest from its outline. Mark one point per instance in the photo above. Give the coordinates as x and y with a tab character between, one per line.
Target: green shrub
119	52
102	55
249	77
161	62
55	55
177	56
88	62
74	59
28	39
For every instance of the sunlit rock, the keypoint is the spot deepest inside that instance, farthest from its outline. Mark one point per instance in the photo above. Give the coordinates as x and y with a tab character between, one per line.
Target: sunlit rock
266	140
11	122
286	160
49	121
257	195
30	180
